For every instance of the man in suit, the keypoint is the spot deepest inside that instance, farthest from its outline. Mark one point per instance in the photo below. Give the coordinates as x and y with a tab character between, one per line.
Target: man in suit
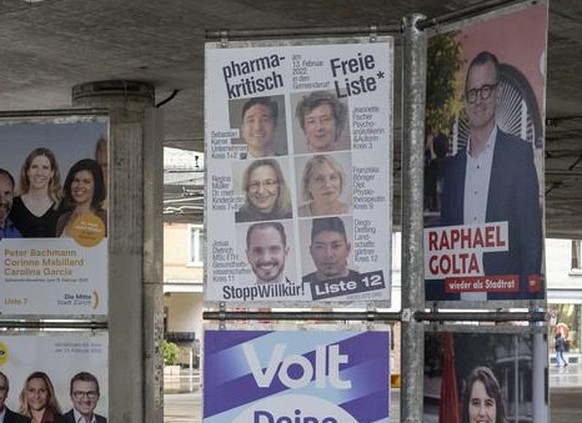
494	180
7	415
84	391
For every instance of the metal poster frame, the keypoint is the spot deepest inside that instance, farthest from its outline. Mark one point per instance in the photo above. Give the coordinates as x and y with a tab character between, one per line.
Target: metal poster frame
511	78
80	299
524	346
58	355
297	226
288	391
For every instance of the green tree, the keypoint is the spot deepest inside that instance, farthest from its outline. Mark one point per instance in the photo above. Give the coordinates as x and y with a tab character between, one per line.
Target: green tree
444	101
171	353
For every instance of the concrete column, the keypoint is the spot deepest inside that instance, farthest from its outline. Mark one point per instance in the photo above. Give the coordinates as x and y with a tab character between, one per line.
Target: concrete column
135	320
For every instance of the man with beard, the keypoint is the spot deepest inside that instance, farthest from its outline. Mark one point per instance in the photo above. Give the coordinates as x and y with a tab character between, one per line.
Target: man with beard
7	415
7	228
329	250
267	251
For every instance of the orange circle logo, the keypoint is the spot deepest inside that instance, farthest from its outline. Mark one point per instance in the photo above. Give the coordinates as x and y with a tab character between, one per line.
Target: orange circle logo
3	354
87	230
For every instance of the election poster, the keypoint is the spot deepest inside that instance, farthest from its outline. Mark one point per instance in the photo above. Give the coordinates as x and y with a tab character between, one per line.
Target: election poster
486	374
484	153
296	376
71	368
53	215
299	151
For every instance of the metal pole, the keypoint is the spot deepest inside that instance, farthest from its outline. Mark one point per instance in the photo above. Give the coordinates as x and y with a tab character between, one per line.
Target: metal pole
301	315
539	369
338	31
374	316
413	104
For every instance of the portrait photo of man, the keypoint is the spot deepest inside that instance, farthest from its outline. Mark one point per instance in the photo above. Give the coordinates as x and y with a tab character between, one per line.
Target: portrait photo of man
322	118
494	179
7	228
7	415
84	392
329	250
259	119
267	251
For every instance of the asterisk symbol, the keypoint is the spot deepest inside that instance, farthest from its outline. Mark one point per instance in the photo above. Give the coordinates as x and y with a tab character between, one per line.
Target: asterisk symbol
380	75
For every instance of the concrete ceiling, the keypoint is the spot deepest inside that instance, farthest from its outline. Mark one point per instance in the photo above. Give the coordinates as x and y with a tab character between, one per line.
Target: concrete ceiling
48	47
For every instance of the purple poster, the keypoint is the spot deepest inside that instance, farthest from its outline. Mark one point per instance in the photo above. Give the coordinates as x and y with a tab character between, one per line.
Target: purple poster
285	376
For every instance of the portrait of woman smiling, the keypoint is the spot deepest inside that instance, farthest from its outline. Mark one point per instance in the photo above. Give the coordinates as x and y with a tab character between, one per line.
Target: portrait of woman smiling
322	183
266	193
38	400
483	398
84	194
36	210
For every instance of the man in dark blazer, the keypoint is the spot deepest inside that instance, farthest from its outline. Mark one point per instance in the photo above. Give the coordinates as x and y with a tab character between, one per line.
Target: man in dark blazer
512	194
84	391
7	415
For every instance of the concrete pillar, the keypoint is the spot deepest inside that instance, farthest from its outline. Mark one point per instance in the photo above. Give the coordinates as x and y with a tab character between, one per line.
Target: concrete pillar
135	319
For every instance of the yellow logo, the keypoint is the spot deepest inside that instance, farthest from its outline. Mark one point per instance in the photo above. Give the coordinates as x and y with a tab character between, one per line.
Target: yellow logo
88	230
3	354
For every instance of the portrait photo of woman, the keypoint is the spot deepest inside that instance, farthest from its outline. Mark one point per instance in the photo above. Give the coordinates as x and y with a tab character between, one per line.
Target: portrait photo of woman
37	208
38	400
84	194
266	193
323	182
482	399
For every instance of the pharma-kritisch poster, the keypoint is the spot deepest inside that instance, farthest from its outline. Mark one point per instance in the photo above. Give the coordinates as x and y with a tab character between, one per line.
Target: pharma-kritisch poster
299	144
285	376
53	215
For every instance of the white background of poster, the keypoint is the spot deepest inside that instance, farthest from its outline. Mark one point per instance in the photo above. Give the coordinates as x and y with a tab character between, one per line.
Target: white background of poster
61	357
369	115
81	288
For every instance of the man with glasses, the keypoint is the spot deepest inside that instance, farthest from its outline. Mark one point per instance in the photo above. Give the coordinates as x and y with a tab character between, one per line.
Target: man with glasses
84	391
7	415
266	193
494	180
